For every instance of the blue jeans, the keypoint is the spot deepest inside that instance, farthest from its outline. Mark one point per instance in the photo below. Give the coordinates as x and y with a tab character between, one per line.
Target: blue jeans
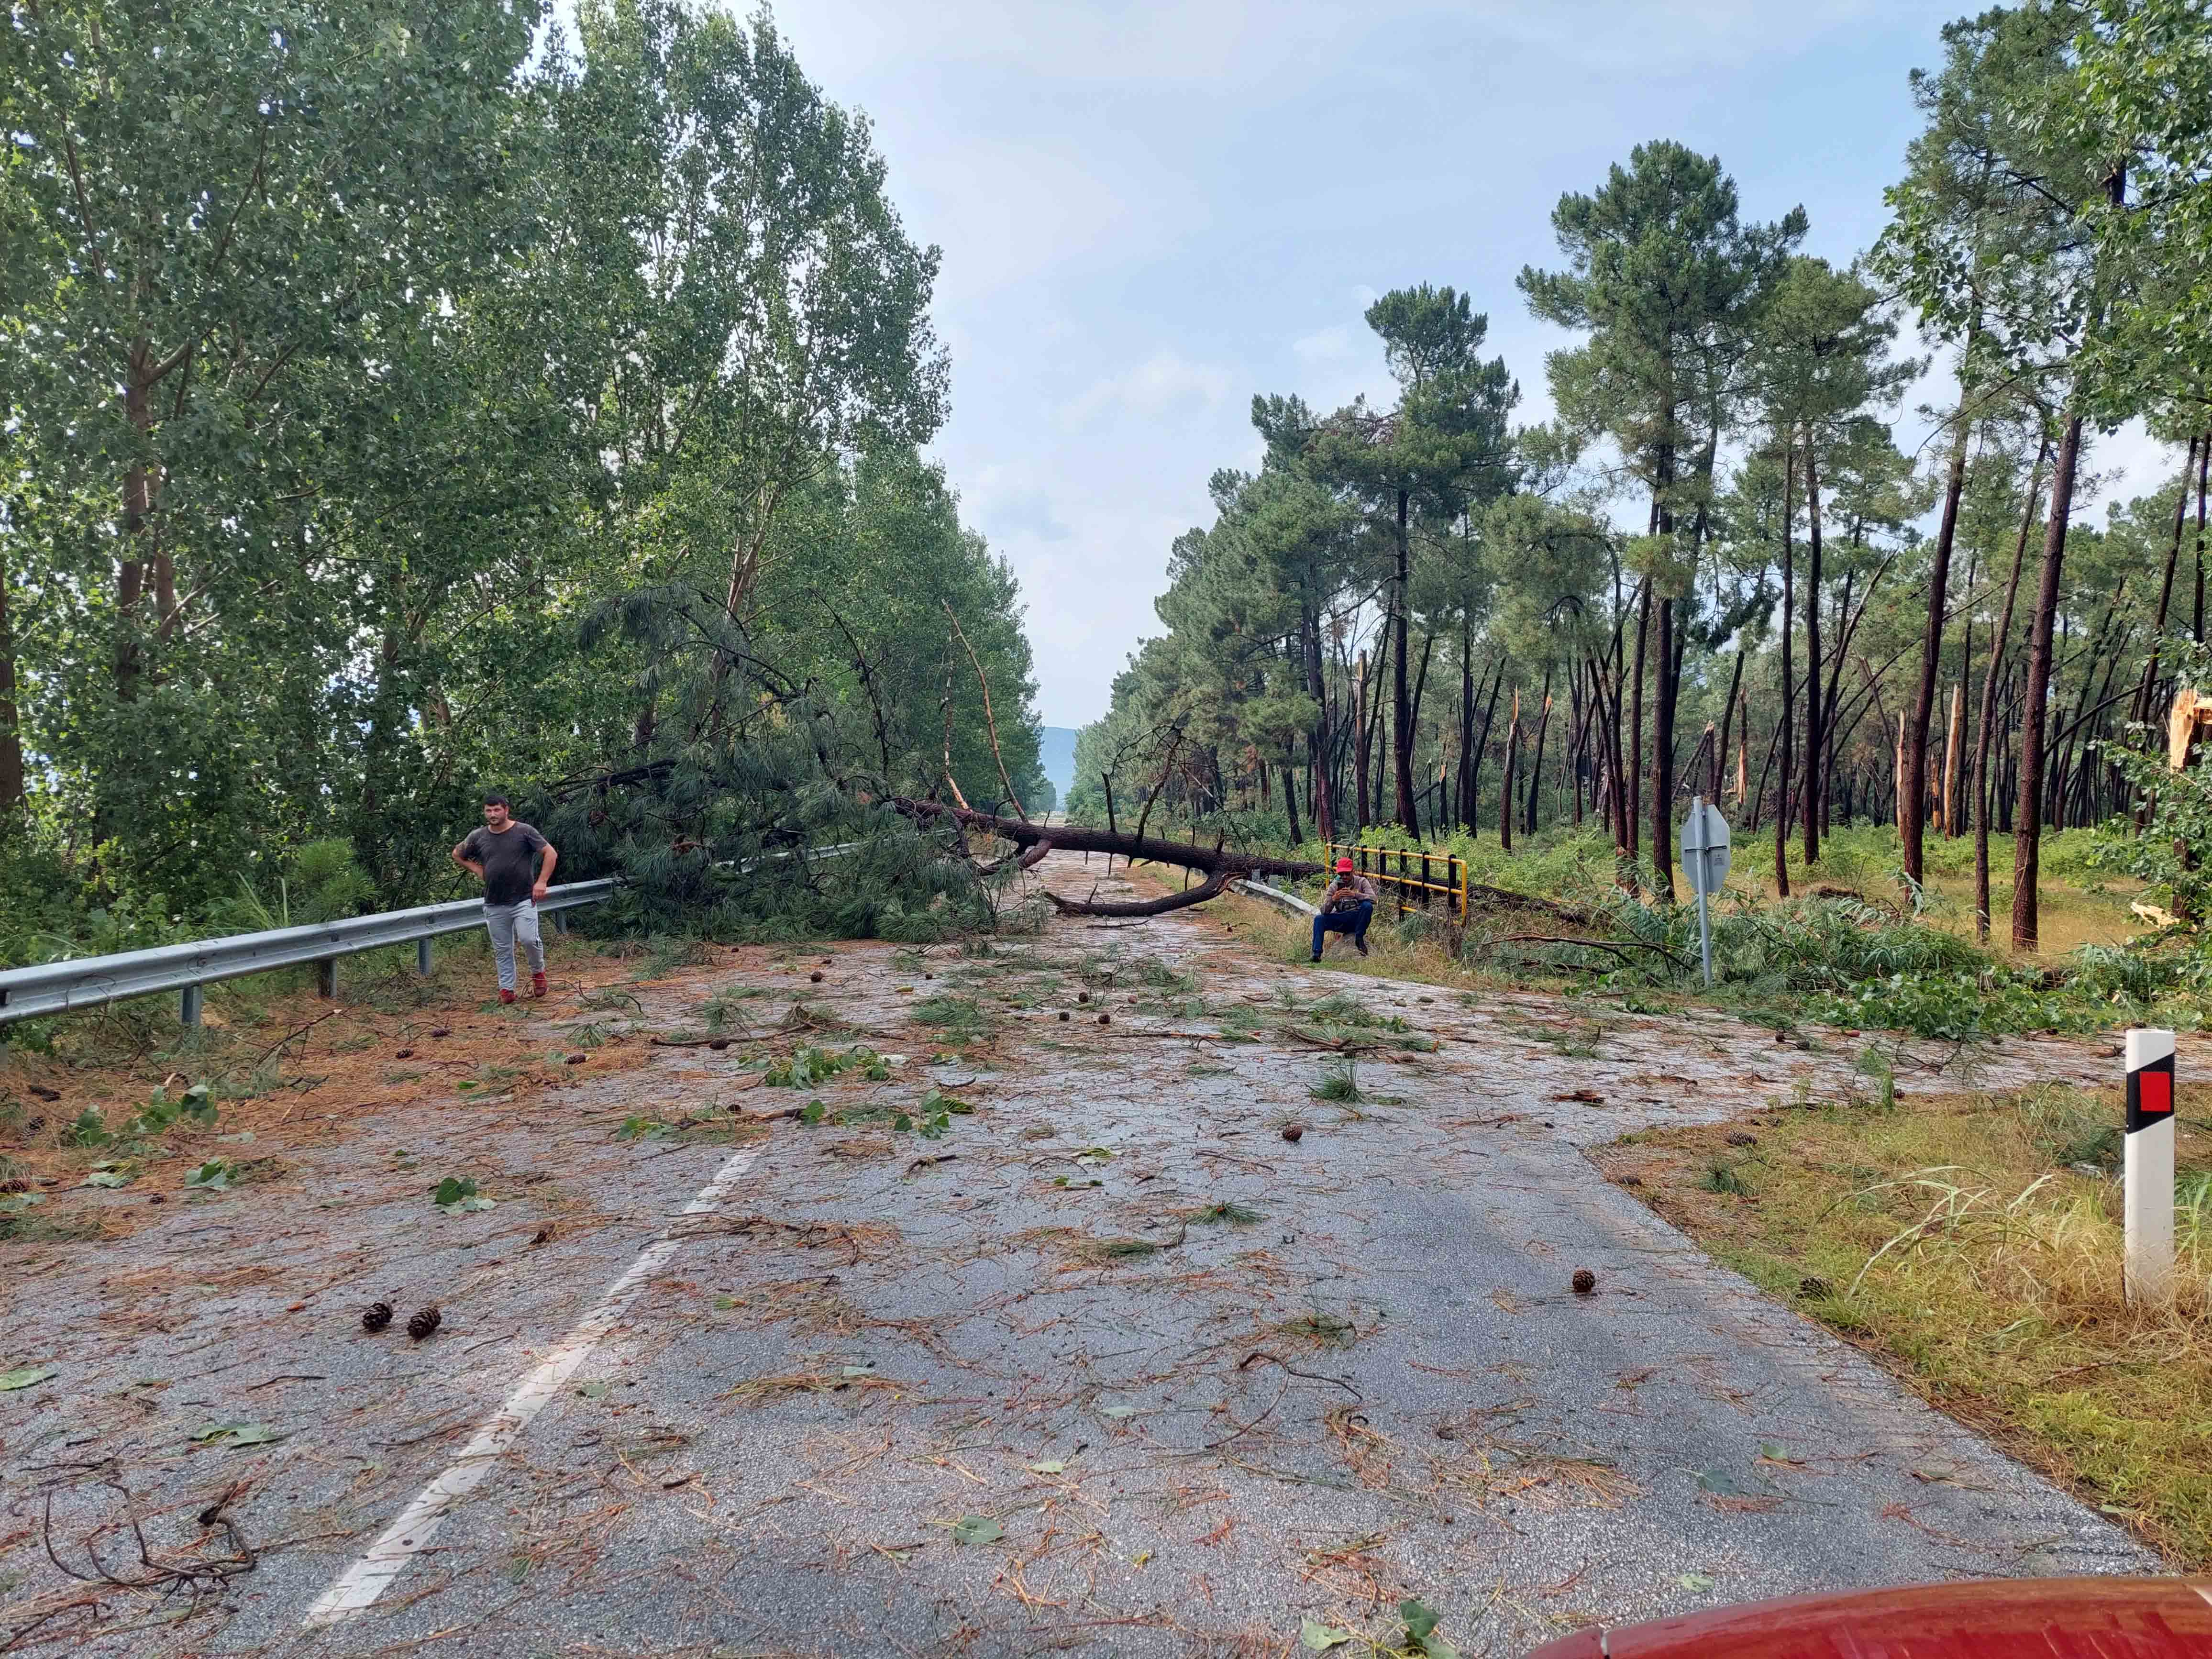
1352	922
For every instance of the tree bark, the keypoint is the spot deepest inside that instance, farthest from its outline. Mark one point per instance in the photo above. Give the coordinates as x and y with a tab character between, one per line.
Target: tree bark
1634	781
1360	732
1466	813
1662	761
2204	472
1402	701
1482	743
1536	755
1954	733
2026	850
11	736
1324	805
1912	789
1813	733
1505	783
1789	729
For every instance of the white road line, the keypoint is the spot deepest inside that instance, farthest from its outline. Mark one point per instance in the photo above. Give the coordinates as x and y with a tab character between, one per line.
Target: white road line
364	1582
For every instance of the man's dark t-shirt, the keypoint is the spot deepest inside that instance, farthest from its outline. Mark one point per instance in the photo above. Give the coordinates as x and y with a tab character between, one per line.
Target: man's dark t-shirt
509	861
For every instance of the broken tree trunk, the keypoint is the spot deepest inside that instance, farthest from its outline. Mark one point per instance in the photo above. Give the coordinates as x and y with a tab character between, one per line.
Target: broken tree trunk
1219	865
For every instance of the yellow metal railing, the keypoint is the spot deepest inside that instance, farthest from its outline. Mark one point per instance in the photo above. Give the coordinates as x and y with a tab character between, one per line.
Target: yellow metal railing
1423	876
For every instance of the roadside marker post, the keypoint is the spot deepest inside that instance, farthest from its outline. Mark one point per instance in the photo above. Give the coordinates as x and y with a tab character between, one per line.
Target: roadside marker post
1705	860
2148	1167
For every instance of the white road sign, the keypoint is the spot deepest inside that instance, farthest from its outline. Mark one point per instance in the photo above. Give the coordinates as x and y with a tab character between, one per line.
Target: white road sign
1706	847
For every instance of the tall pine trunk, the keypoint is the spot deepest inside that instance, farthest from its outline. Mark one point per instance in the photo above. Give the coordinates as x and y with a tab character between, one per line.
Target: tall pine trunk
1324	805
1360	735
1401	701
1788	730
1465	792
1536	755
1505	783
2028	831
1635	778
1663	760
1912	787
1813	769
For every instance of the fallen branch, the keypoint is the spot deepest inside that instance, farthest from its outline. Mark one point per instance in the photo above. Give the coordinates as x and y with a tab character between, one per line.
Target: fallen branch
1595	944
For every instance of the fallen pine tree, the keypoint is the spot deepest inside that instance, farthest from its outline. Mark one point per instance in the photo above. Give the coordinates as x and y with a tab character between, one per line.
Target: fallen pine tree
1218	864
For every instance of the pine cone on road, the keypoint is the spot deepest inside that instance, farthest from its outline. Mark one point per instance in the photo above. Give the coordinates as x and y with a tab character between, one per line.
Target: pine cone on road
424	1322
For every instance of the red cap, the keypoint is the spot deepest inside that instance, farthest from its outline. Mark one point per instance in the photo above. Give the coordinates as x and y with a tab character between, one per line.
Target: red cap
1344	867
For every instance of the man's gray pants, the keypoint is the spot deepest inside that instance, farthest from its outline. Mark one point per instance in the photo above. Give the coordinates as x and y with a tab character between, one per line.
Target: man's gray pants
507	924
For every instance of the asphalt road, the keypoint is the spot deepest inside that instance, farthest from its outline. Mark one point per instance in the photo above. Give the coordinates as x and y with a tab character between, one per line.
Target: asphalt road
1123	1371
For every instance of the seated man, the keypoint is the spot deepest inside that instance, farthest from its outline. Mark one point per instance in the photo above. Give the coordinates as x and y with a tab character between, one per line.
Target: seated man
1346	908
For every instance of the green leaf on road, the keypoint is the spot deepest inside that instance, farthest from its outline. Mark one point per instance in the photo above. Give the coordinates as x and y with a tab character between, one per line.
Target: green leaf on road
1421	1629
1117	1411
1694	1581
1320	1639
978	1529
1049	1466
812	1112
106	1178
28	1377
215	1176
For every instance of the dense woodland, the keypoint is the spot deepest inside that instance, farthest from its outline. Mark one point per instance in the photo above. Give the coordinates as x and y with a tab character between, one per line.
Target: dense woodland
406	398
1720	569
403	399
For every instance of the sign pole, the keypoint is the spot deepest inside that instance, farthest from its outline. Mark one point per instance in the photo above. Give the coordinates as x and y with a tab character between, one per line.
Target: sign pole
2148	1167
1705	920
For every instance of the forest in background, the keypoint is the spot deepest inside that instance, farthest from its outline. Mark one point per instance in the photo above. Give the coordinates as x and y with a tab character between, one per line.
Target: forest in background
400	399
1715	571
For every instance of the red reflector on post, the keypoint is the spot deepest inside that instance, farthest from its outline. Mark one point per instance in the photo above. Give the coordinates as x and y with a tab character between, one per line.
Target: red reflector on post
2155	1092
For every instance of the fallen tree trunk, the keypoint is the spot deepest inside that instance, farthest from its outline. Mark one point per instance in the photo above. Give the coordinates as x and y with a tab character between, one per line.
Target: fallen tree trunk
1220	865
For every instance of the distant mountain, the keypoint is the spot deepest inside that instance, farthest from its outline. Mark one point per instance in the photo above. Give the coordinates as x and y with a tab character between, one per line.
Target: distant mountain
1056	752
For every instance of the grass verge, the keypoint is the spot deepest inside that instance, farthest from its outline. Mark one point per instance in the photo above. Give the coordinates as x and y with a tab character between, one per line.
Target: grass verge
1972	1244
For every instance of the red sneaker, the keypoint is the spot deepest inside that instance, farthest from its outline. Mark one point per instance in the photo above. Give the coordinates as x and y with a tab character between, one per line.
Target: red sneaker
537	985
506	996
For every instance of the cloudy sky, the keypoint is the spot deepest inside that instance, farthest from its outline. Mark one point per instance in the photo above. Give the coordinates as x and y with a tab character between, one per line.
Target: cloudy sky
1150	211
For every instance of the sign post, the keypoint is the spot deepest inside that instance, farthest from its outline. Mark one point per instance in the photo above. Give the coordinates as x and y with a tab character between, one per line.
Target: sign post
1705	860
2147	1166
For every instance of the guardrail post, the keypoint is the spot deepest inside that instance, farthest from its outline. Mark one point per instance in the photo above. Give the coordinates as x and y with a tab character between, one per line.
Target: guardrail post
2147	1166
326	977
188	1009
422	955
560	921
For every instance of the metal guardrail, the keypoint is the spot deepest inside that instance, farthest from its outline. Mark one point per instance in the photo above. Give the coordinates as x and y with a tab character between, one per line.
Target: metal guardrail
61	987
1375	863
1276	895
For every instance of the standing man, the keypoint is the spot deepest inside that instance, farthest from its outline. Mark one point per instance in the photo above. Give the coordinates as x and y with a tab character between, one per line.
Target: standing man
1346	908
515	863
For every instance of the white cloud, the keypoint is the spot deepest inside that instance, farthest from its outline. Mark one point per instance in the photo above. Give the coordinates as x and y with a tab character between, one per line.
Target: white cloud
1323	345
1151	208
1164	383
